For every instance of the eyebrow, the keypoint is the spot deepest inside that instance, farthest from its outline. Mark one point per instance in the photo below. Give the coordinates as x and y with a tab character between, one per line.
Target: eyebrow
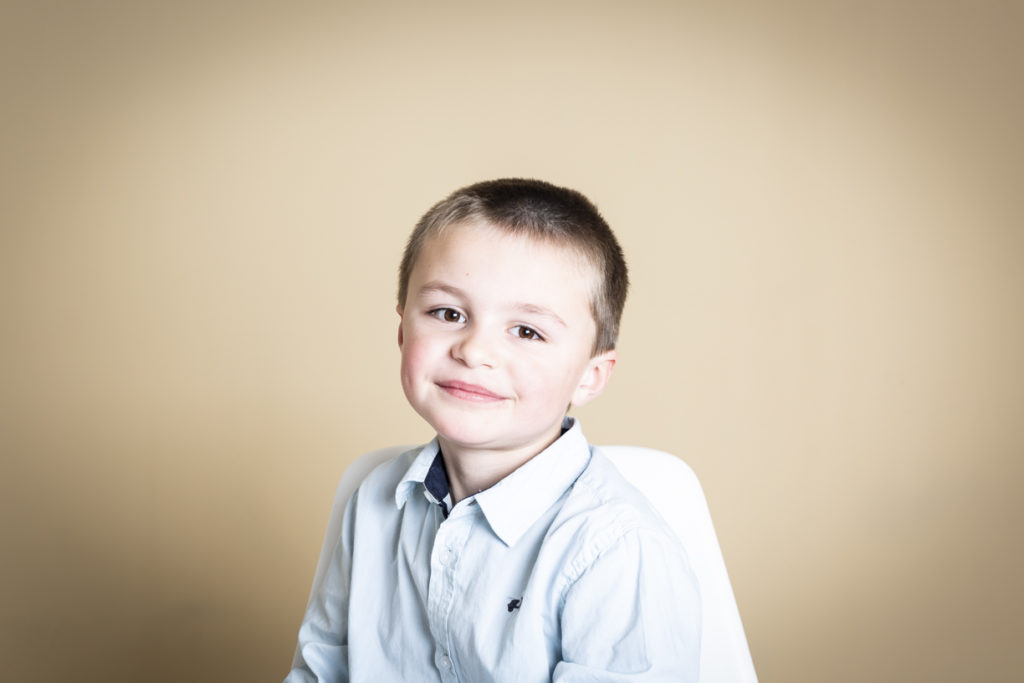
523	307
533	309
438	286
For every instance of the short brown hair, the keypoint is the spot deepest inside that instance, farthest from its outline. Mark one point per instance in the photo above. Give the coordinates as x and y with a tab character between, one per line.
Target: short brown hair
542	211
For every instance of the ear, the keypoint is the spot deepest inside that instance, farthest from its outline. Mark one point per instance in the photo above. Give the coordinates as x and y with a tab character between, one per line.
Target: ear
595	377
400	318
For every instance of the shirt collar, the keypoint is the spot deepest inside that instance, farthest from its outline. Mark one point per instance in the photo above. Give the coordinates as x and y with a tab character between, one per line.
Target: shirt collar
513	504
416	475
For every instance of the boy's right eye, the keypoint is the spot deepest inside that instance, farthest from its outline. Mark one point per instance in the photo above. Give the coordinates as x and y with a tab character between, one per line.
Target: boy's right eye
449	315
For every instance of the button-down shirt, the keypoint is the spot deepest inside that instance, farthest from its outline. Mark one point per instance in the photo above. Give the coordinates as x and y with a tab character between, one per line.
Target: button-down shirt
561	571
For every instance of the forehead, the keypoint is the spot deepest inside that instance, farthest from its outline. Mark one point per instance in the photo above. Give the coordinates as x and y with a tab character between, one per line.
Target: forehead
493	260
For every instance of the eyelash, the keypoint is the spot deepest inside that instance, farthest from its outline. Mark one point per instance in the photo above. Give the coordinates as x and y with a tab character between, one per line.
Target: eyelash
521	331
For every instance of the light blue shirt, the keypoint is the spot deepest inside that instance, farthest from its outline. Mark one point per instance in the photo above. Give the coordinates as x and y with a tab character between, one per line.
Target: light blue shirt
561	571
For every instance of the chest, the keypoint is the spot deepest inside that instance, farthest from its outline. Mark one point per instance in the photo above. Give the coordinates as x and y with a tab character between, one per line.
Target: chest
451	597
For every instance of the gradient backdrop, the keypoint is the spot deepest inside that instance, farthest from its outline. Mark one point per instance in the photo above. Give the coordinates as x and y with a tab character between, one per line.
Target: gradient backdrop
202	207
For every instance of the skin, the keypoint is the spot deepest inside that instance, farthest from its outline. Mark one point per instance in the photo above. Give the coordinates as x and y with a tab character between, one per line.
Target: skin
496	338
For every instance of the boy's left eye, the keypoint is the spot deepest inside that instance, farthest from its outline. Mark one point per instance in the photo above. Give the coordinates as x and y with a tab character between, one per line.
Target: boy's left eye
524	332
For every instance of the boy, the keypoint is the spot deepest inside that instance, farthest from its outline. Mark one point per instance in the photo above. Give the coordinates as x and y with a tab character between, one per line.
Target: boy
506	549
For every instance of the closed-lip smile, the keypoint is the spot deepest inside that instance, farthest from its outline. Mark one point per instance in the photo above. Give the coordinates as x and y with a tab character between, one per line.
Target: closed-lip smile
469	392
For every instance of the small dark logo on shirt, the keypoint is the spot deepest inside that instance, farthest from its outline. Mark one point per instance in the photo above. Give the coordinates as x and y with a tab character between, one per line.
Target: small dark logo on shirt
514	604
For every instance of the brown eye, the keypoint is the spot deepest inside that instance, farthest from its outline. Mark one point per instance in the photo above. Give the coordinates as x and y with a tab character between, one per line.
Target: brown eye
524	332
449	315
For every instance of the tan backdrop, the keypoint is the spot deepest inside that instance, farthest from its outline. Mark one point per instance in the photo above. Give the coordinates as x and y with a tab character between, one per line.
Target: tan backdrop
202	210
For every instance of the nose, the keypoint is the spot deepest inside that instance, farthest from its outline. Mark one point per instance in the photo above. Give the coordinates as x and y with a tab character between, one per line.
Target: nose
474	348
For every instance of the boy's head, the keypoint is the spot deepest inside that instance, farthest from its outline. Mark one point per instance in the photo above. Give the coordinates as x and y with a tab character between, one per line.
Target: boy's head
535	210
509	299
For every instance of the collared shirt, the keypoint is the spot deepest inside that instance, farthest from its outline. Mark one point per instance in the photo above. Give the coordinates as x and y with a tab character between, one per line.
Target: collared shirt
559	572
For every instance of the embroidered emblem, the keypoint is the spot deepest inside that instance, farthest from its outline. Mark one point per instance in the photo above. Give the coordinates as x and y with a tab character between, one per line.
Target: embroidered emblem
514	604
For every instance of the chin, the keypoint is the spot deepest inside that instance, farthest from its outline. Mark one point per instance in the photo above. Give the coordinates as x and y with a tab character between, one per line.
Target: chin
467	437
466	434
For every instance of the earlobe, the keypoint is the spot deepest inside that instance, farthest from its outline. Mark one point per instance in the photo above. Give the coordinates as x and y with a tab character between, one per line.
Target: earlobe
595	378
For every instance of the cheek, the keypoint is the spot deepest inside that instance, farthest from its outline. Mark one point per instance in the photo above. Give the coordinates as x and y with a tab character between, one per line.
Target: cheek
550	383
416	355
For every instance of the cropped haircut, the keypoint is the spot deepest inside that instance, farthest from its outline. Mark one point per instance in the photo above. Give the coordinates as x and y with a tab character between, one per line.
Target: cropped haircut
540	211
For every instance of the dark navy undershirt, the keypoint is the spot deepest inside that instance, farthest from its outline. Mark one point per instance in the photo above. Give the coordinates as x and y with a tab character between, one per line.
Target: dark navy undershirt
436	482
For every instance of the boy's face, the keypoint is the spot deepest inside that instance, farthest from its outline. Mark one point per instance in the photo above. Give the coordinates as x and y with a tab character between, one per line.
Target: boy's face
496	338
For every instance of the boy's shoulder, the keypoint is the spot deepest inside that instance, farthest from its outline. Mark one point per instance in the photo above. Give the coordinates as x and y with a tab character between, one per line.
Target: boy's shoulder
604	509
602	486
388	468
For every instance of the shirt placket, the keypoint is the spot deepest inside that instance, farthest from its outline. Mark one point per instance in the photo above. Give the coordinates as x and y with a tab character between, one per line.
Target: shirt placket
444	563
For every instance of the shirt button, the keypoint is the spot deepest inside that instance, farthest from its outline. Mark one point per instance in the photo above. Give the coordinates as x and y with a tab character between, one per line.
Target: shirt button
446	662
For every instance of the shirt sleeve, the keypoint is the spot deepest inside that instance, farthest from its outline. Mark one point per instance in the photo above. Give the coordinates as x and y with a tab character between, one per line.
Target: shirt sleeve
322	654
633	615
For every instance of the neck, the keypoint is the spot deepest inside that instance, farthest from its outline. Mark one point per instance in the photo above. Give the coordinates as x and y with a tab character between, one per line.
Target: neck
472	470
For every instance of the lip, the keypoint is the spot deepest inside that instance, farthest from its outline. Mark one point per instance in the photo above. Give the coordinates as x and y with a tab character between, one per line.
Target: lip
469	392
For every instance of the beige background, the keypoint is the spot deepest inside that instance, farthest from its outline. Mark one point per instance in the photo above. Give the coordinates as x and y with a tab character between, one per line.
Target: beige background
203	206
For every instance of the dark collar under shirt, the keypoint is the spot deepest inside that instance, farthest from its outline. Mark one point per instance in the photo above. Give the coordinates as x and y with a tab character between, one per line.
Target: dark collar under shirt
436	482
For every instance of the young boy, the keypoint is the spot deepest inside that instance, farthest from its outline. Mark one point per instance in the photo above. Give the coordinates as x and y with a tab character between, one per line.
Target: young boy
506	549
